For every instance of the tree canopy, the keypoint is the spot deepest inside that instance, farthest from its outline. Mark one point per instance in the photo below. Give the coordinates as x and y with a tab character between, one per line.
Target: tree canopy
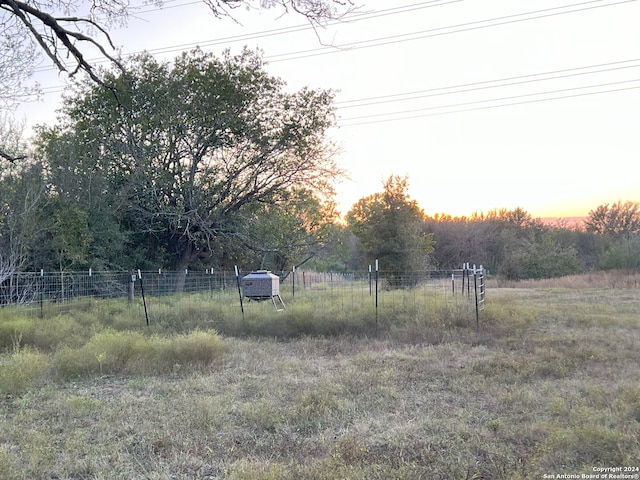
389	226
193	152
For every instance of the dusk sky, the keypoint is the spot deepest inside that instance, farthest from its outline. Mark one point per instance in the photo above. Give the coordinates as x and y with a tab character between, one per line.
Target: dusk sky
483	105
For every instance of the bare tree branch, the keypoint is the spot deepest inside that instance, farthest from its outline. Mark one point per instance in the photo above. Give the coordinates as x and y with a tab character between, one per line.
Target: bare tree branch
11	158
12	147
59	34
60	37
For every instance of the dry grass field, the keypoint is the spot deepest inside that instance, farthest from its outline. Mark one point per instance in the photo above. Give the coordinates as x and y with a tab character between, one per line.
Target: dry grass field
548	385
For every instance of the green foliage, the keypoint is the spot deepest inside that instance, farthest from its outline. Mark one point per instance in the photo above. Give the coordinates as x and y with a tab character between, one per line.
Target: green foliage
622	254
47	335
389	227
59	331
512	244
337	253
22	187
543	257
195	348
289	232
69	236
197	158
14	332
488	239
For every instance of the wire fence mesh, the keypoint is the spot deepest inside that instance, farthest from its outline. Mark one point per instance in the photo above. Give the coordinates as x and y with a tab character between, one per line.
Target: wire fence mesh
45	294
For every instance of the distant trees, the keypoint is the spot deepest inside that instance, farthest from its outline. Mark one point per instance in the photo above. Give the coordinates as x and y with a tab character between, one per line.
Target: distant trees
390	227
615	220
618	227
508	242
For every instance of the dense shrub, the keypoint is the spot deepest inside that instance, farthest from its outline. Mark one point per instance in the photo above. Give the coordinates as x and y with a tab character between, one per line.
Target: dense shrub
20	370
624	254
113	352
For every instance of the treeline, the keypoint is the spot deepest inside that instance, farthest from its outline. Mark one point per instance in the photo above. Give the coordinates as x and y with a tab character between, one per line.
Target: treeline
41	229
509	243
209	162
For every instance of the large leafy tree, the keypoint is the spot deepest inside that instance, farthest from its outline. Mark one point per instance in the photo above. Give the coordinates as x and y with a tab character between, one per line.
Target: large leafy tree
389	226
192	149
17	61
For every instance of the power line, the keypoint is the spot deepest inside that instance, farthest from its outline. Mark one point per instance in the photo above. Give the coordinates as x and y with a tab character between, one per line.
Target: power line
278	31
435	32
382	41
485	107
470	86
483	85
355	15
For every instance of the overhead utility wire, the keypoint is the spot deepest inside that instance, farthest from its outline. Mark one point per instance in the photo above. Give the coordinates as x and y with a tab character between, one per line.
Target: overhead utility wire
284	30
451	112
483	85
335	50
488	101
435	32
345	19
303	27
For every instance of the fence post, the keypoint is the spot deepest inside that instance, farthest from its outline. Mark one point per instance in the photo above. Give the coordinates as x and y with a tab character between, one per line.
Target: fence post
376	294
475	289
41	293
293	281
144	301
132	279
90	284
239	291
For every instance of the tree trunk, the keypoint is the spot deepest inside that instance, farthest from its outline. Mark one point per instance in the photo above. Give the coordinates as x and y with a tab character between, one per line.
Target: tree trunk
182	265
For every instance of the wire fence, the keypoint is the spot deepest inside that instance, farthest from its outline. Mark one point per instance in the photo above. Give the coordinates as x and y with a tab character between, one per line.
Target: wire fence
44	293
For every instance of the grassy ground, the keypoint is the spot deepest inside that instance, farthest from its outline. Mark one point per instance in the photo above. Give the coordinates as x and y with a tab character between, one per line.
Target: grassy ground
548	385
